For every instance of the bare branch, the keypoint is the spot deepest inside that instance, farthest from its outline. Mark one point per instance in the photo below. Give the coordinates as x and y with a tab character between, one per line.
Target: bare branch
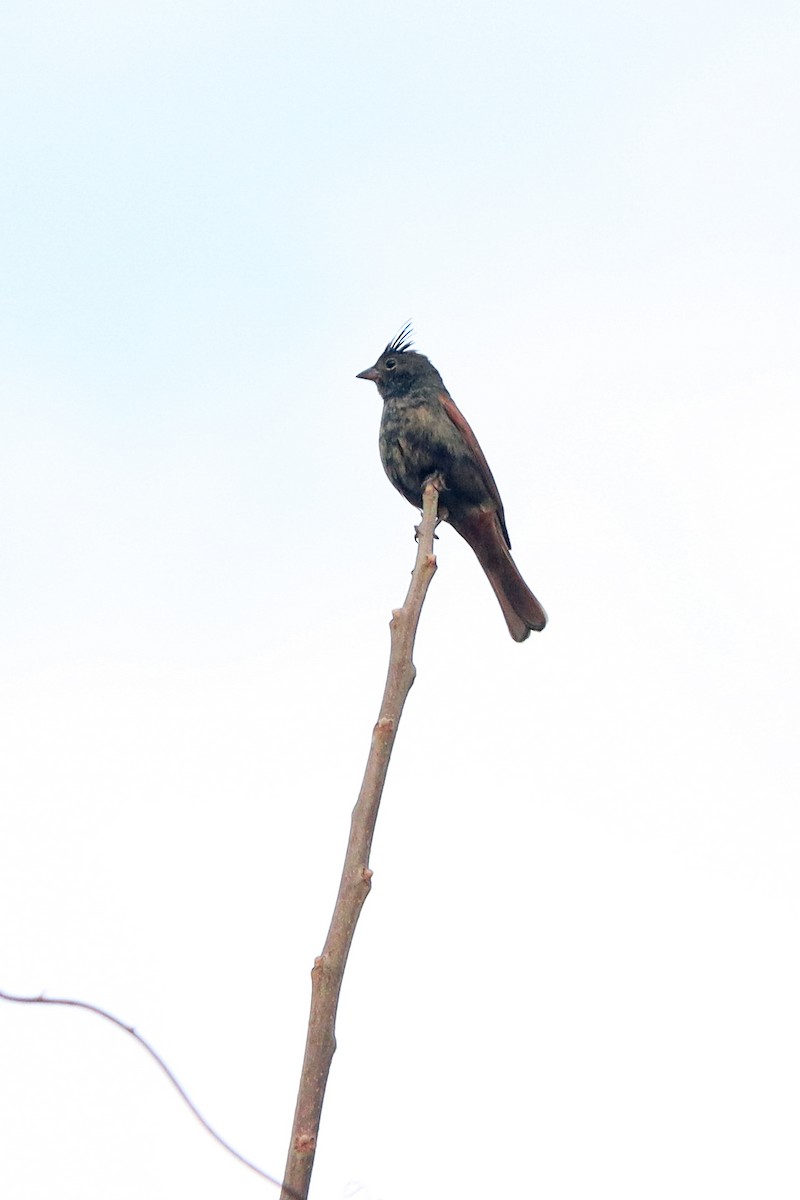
328	970
101	1012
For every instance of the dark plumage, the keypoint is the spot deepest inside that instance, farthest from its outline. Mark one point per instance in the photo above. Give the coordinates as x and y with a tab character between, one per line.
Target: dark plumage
423	433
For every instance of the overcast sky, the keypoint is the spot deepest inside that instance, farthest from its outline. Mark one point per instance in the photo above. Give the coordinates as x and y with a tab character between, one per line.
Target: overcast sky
577	973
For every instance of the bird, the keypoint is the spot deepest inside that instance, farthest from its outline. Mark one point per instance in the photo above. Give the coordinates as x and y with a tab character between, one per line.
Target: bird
423	433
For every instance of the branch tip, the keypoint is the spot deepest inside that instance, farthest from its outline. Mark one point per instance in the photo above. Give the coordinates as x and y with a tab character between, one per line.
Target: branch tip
433	484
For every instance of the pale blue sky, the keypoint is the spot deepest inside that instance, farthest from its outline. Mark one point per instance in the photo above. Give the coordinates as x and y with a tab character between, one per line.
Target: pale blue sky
586	863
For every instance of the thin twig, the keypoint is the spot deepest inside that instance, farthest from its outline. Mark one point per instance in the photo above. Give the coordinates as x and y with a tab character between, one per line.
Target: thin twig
101	1012
328	970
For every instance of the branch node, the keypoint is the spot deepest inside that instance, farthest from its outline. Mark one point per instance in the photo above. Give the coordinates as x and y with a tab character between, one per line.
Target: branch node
398	620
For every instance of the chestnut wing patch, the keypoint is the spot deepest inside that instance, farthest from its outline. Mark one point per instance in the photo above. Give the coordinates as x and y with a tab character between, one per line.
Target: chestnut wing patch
463	427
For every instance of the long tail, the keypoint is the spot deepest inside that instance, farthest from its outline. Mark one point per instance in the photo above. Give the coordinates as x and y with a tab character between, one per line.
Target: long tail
521	609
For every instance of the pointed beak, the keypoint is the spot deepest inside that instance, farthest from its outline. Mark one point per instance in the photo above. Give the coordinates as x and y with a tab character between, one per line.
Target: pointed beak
370	374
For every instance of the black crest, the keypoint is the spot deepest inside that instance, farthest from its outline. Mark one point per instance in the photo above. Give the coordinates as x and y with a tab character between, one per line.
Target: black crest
403	341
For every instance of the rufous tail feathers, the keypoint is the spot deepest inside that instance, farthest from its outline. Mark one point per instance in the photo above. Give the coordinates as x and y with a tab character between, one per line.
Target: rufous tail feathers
521	609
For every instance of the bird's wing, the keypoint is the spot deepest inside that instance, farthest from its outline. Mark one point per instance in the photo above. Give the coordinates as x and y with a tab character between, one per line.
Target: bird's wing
462	425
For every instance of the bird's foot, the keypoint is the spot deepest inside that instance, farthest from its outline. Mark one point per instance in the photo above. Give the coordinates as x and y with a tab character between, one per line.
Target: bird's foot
433	483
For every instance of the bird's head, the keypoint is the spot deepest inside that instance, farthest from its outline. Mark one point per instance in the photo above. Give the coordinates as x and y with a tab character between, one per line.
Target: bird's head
400	368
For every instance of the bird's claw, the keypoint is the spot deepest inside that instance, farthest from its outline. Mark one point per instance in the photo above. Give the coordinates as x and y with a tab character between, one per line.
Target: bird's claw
417	529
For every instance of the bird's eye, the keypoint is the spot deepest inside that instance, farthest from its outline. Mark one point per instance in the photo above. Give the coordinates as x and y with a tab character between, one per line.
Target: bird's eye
390	364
